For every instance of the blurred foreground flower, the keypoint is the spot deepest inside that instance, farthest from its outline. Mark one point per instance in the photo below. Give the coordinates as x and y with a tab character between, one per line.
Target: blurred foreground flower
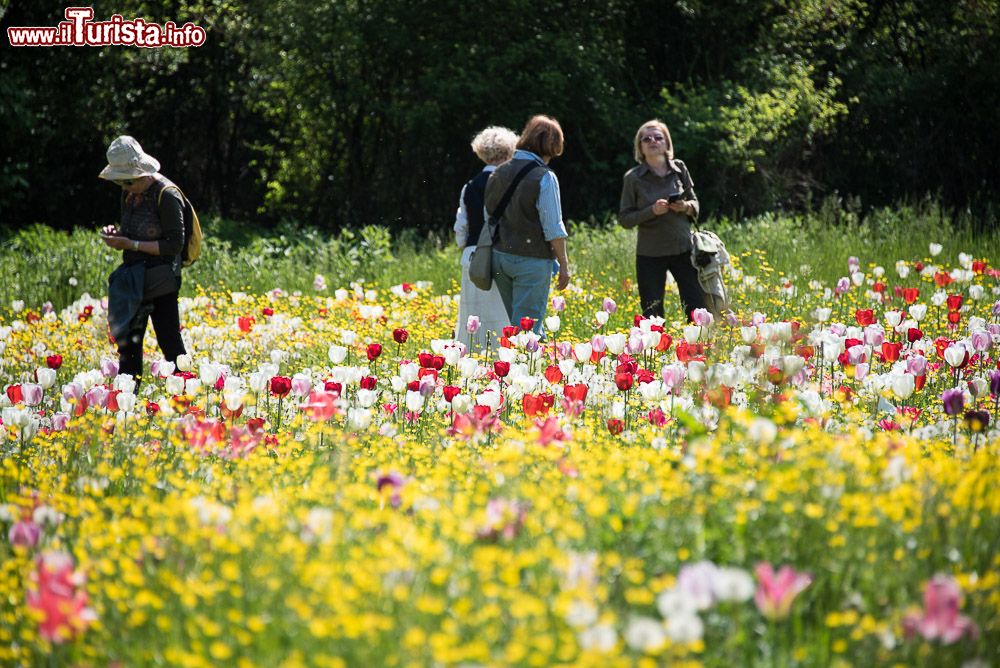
939	620
777	591
58	598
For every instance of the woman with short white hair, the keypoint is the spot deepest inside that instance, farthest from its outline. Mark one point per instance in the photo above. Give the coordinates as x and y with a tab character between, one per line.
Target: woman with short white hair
494	146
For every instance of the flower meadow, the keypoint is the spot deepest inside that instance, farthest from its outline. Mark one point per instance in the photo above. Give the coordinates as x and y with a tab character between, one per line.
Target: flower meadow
329	479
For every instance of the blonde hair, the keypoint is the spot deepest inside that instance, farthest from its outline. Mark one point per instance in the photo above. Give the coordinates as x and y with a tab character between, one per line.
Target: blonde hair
543	136
495	144
662	127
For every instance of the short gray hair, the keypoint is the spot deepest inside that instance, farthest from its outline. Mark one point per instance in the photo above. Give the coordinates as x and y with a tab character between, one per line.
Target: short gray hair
495	144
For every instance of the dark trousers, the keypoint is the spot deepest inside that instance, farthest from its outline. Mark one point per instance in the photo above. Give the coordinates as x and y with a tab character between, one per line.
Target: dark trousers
166	324
651	272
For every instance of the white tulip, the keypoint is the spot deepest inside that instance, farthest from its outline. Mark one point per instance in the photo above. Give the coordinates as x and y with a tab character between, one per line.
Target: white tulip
918	311
934	249
902	386
337	354
552	323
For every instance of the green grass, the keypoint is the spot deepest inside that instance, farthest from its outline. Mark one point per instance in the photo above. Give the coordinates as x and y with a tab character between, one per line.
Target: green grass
44	265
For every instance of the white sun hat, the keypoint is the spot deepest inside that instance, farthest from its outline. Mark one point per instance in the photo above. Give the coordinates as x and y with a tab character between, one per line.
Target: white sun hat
127	160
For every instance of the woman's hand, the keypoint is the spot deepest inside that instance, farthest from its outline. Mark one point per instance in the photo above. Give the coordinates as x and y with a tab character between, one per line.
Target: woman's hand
563	277
661	206
680	206
111	238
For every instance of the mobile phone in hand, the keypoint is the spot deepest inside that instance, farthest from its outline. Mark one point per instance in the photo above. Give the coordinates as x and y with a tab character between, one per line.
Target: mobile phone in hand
673	198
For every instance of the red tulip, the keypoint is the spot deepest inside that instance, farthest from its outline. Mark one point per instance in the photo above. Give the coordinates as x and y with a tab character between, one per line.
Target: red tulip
919	382
280	386
954	317
664	342
527	323
879	287
53	361
890	351
954	302
400	335
615	426
450	392
152	408
533	405
918	266
501	369
14	394
576	392
267	311
978	266
245	323
914	334
864	316
942	278
433	373
553	374
910	295
374	350
368	382
624	381
334	388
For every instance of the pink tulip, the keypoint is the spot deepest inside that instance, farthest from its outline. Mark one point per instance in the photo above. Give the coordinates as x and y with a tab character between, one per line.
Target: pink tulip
321	406
597	343
609	305
32	393
72	391
473	324
58	599
109	367
558	304
59	421
25	533
97	396
940	619
702	317
776	591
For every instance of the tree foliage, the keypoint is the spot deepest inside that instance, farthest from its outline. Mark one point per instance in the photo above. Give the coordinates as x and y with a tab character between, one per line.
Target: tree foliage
352	112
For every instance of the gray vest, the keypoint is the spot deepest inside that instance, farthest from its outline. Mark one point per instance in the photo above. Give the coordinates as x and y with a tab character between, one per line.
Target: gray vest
520	230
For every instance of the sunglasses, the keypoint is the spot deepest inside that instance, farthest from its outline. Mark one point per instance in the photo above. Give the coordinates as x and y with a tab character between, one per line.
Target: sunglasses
649	139
125	182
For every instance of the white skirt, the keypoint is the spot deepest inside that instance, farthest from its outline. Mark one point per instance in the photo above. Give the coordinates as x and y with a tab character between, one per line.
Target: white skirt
486	304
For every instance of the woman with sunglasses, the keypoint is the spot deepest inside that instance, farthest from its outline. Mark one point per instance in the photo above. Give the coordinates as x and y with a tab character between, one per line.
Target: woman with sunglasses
658	198
151	238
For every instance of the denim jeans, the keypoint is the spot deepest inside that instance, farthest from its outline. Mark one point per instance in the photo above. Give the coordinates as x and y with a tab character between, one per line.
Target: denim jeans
652	274
523	283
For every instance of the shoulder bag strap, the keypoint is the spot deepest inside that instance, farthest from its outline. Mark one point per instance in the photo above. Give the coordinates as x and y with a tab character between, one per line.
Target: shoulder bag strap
505	200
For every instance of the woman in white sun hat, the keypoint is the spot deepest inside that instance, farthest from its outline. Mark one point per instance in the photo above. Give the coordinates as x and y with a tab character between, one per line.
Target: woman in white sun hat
151	238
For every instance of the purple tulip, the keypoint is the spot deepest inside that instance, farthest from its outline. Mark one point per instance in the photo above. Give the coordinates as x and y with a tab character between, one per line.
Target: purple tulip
558	304
565	349
843	285
609	305
531	345
953	400
977	420
996	308
97	396
981	340
995	383
597	343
